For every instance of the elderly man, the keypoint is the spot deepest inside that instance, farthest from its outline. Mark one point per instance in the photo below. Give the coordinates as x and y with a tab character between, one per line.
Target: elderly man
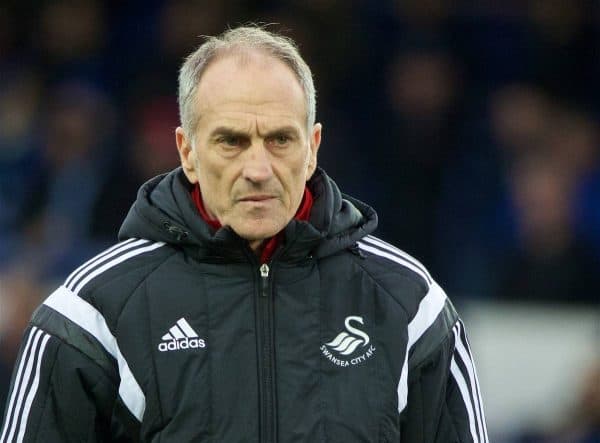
247	300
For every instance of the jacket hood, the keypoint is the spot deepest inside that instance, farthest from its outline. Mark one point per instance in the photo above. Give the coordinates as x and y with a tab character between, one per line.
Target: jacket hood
164	211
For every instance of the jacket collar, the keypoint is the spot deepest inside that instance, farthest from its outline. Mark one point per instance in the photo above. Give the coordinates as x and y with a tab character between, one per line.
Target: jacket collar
164	211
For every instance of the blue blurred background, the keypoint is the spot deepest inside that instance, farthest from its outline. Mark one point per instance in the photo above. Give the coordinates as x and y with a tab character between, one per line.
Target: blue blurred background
471	127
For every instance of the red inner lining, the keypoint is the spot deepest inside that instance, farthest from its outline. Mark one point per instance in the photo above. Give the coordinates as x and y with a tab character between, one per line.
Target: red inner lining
271	244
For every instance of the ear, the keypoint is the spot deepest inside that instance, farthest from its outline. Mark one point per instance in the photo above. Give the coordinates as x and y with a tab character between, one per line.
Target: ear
186	155
315	143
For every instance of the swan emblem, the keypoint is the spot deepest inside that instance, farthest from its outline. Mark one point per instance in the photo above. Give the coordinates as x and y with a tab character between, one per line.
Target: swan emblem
346	342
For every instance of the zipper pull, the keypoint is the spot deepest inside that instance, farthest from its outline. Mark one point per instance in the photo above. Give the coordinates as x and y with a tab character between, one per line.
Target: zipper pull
264	270
264	276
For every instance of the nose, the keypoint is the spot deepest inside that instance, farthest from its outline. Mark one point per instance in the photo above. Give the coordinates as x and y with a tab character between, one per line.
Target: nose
257	164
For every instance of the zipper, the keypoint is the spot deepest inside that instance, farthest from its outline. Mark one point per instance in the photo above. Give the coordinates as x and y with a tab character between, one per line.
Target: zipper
264	279
268	407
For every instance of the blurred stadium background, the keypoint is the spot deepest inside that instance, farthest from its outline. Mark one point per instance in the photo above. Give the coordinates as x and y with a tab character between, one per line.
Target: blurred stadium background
471	127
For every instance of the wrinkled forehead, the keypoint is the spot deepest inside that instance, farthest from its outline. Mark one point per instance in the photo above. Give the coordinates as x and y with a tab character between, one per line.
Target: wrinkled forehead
247	83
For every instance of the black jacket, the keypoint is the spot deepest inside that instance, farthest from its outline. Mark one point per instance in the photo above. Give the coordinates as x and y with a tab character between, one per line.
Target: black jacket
178	334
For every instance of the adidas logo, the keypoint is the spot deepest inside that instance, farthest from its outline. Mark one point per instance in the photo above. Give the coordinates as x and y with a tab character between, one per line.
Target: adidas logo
181	336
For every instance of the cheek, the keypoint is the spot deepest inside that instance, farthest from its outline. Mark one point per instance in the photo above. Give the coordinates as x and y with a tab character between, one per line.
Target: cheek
302	162
208	164
297	180
210	175
291	173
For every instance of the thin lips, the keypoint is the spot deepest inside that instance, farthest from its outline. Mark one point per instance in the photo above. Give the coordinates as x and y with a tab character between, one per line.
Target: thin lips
254	198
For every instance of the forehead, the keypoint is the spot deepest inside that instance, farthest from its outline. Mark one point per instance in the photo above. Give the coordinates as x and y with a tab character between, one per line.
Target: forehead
249	85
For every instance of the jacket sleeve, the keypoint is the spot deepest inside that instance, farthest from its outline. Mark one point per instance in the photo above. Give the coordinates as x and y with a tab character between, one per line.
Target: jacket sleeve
57	394
65	384
444	401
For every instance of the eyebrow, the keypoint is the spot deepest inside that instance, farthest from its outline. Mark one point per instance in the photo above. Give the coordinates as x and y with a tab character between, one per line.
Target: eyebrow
223	130
287	130
231	132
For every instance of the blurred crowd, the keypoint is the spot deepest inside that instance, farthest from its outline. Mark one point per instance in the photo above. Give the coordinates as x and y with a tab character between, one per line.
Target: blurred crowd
471	127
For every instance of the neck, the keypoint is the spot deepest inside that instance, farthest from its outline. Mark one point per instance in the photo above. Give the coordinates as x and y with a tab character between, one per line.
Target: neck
257	246
262	248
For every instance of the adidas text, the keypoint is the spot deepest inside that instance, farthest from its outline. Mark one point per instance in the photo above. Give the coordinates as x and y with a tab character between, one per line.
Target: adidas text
183	343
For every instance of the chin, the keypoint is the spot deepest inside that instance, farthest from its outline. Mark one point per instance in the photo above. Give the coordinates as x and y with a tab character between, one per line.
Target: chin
260	232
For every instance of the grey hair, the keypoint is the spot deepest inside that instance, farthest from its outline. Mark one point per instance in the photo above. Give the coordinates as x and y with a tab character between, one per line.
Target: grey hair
244	37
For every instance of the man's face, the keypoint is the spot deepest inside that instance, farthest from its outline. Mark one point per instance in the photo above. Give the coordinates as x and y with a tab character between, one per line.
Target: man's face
251	152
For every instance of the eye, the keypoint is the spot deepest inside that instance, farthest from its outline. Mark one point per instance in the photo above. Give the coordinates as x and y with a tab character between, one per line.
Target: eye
230	141
280	140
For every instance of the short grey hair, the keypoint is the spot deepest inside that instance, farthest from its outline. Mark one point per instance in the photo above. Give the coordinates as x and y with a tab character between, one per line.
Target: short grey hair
239	39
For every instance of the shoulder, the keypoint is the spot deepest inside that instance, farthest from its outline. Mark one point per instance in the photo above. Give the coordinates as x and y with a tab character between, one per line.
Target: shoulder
84	311
132	259
393	268
105	282
430	312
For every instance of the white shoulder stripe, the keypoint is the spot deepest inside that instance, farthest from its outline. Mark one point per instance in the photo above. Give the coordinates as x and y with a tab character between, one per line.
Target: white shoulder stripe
429	309
407	264
465	356
80	312
94	259
33	390
81	283
382	244
95	262
464	392
481	408
20	382
34	352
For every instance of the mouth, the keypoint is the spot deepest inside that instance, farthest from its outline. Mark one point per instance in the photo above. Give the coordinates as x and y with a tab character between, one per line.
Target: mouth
257	198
